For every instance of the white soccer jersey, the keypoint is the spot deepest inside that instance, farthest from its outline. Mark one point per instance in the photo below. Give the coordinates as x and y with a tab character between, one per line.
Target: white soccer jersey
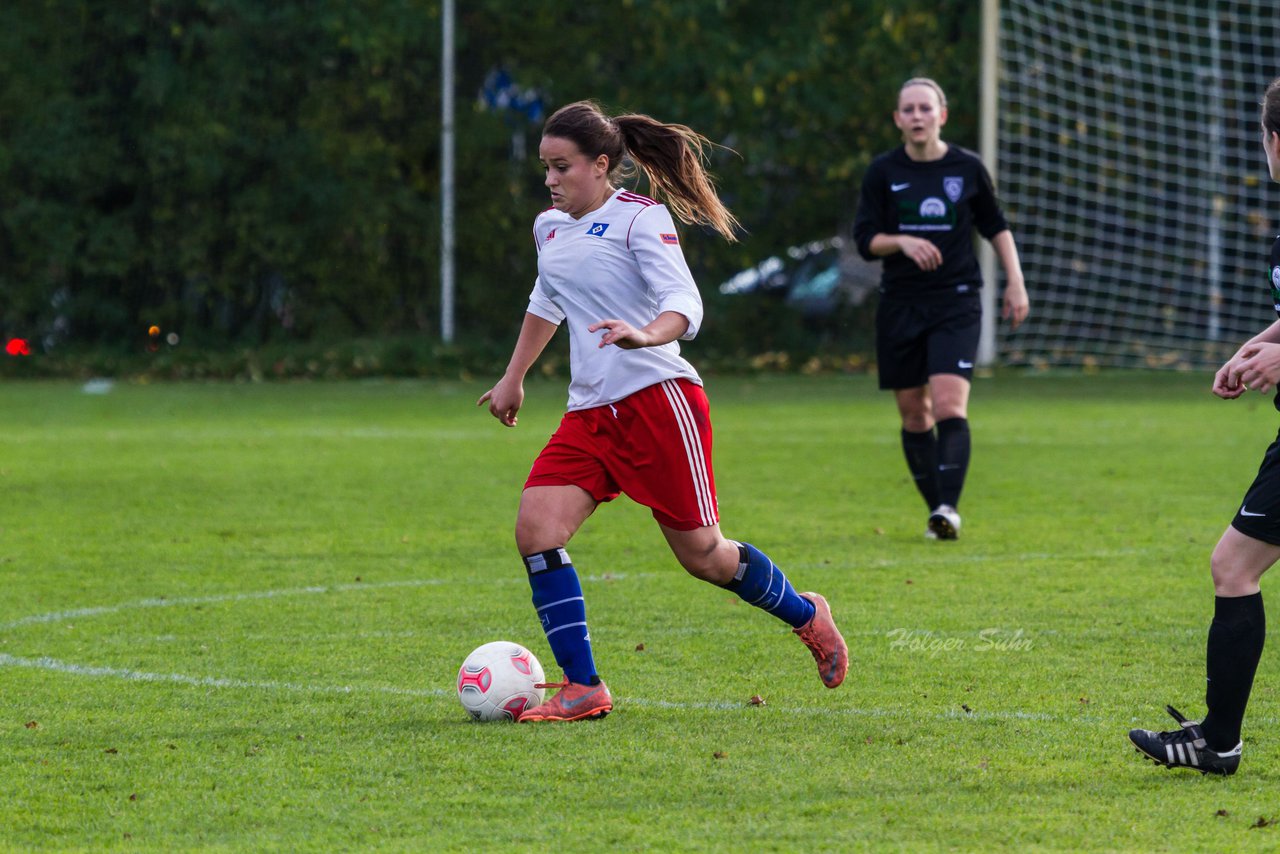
622	260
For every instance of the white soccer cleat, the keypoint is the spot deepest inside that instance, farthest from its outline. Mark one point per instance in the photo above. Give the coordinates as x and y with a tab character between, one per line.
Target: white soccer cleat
944	523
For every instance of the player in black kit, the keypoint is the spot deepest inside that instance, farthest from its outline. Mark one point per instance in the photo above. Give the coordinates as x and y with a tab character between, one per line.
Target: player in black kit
1248	548
919	206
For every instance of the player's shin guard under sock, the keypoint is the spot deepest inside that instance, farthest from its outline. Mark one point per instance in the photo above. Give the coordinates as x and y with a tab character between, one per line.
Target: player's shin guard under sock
1236	636
758	582
953	459
558	597
921	451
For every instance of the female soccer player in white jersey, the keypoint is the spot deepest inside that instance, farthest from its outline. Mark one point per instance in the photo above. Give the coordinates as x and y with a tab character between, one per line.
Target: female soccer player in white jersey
1248	548
919	206
610	268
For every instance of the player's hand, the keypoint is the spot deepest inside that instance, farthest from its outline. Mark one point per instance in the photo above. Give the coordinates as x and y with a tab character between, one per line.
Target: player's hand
1257	367
1016	304
621	334
926	255
1224	386
504	400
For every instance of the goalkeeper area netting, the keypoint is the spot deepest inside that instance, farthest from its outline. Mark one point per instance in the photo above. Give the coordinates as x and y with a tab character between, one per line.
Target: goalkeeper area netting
1129	161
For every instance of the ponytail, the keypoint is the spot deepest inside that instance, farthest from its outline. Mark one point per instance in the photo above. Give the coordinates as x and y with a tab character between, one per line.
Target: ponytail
672	156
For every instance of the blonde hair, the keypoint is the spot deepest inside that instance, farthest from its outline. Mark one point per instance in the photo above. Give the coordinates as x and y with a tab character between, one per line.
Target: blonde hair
672	156
927	82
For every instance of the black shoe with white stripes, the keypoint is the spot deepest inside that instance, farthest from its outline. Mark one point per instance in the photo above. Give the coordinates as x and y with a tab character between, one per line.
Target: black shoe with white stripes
1184	748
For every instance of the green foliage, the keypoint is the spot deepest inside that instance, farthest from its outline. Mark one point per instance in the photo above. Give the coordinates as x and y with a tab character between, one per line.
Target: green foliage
269	172
233	613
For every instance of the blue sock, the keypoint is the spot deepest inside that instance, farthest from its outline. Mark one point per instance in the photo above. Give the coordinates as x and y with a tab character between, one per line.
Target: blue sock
760	583
558	597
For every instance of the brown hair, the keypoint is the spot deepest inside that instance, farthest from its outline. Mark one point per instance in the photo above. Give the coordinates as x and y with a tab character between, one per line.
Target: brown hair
929	82
1271	107
673	158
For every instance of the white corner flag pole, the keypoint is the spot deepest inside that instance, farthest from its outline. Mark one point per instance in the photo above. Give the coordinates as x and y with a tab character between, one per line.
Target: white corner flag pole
446	172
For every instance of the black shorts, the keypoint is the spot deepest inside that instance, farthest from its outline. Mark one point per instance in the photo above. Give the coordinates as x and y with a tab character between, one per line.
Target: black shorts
918	338
1259	513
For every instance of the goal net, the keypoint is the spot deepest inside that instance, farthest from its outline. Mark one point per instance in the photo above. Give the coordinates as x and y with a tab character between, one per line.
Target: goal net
1130	163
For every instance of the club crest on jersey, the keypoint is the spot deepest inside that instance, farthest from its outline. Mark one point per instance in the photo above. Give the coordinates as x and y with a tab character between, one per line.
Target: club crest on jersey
598	229
1275	277
669	238
953	187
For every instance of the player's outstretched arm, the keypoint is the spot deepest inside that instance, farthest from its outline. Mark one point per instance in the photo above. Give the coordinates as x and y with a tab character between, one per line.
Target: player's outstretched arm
507	395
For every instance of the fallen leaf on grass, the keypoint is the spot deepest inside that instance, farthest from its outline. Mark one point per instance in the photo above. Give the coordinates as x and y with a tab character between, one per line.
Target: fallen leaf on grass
31	725
757	700
1262	821
719	754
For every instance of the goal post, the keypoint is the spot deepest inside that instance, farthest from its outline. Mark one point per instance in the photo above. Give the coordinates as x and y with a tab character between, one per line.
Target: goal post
988	94
1127	157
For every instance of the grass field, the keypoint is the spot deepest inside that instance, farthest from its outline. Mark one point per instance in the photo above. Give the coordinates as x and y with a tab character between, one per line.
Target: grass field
231	617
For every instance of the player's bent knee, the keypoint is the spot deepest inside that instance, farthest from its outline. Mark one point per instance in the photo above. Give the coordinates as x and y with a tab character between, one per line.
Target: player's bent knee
532	538
699	567
708	565
1231	577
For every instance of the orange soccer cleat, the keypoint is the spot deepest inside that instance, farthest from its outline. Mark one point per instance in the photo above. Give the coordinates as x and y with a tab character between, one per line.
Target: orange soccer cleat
573	702
824	641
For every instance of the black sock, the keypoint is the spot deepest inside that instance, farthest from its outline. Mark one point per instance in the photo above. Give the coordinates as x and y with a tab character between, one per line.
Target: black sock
953	459
921	450
1236	636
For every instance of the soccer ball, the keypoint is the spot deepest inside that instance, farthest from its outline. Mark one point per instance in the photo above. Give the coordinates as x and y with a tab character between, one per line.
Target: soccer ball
499	680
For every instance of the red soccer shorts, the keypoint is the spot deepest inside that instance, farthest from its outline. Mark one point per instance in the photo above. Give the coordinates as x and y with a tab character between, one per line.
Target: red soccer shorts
654	446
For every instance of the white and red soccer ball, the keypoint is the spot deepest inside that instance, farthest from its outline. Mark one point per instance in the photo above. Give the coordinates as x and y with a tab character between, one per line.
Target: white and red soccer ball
499	680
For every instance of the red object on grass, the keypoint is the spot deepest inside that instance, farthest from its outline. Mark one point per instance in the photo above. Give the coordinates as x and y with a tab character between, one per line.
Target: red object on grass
18	347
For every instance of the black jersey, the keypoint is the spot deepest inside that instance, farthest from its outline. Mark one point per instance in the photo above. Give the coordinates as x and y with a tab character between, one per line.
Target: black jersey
941	200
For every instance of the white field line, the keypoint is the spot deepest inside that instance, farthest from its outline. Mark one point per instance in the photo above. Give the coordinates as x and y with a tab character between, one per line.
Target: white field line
128	675
52	664
71	668
978	715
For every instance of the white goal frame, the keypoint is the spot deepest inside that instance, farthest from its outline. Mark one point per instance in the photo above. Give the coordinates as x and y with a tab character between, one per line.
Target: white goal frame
1123	138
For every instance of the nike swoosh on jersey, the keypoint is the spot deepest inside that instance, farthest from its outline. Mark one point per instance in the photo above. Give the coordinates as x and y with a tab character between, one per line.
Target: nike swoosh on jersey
896	187
1244	512
964	365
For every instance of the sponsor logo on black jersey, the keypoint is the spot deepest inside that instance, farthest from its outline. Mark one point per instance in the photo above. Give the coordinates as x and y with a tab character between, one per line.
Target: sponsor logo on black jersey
931	214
